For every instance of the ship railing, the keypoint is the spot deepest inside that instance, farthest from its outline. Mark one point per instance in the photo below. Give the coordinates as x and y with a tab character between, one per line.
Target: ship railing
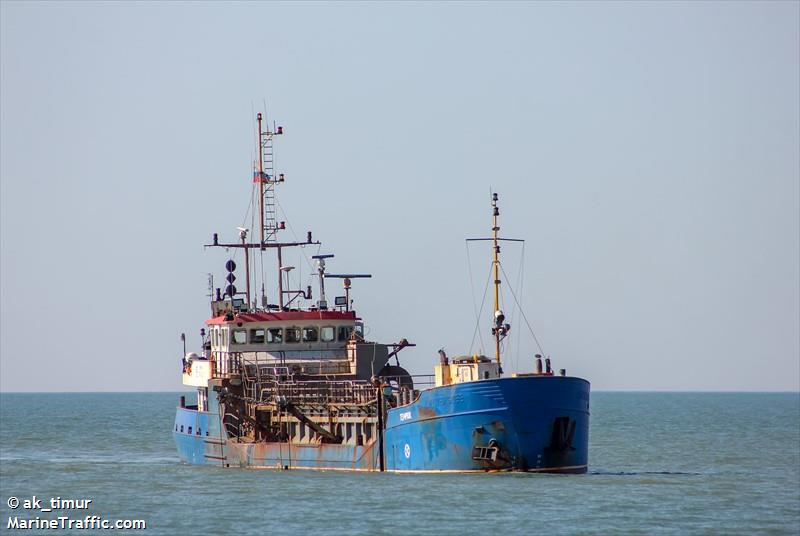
406	388
256	369
274	384
257	372
256	364
226	364
315	392
409	380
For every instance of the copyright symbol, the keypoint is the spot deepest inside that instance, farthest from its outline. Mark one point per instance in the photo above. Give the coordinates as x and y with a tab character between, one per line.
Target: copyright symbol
13	503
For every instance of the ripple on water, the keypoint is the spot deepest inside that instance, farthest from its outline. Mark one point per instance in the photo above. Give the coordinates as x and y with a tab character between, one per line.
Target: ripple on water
659	463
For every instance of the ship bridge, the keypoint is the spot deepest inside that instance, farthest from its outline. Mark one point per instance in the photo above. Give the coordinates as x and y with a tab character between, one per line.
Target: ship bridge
294	332
311	343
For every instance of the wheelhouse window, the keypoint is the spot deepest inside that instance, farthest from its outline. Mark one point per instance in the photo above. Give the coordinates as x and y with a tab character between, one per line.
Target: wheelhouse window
328	333
274	336
310	334
239	336
257	336
293	334
344	333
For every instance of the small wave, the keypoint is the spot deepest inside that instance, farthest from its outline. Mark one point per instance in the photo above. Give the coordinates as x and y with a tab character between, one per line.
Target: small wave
93	460
643	473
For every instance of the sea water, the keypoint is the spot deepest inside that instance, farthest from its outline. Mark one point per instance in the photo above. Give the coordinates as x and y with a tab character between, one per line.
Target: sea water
659	463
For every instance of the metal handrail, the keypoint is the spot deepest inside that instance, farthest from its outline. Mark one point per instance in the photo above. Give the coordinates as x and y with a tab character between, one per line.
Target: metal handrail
352	392
278	383
227	364
426	380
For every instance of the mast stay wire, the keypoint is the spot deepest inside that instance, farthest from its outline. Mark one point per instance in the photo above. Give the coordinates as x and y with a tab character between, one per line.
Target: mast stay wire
294	234
502	306
508	341
474	300
253	260
477	323
235	252
536	340
502	302
520	282
302	247
517	306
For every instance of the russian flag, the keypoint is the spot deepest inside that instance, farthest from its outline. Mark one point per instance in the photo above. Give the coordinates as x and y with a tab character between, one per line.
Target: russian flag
260	177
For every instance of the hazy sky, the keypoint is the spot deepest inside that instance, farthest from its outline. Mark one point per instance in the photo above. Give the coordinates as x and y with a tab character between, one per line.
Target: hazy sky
647	152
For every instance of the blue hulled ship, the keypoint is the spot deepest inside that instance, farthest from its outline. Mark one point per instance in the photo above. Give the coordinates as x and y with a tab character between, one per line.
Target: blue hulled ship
295	384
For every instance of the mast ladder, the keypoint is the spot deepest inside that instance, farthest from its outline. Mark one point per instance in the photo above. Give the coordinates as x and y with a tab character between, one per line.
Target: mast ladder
270	212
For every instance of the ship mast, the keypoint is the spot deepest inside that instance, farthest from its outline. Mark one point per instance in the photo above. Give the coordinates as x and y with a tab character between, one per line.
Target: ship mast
498	315
499	326
267	213
266	178
260	179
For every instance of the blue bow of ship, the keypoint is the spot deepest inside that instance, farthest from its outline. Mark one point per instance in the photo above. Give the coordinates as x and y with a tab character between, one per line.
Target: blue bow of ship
296	385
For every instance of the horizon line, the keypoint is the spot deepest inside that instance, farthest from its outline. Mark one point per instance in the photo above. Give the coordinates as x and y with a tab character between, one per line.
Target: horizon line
677	391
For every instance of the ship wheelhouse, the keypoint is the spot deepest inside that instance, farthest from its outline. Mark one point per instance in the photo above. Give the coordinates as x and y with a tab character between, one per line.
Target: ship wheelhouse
303	342
295	332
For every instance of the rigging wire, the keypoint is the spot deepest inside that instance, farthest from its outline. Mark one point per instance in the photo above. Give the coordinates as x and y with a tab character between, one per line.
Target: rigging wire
523	314
474	300
291	229
512	317
252	269
250	205
502	307
477	324
520	281
234	255
302	247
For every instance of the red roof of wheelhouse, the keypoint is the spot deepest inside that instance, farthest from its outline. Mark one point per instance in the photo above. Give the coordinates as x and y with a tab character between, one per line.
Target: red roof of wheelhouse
283	315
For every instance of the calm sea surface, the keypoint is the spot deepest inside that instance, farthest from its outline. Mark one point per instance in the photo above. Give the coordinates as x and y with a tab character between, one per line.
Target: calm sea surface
671	463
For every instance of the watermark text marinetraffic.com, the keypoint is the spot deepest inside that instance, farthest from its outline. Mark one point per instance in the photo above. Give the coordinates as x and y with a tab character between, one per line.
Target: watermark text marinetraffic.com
71	515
